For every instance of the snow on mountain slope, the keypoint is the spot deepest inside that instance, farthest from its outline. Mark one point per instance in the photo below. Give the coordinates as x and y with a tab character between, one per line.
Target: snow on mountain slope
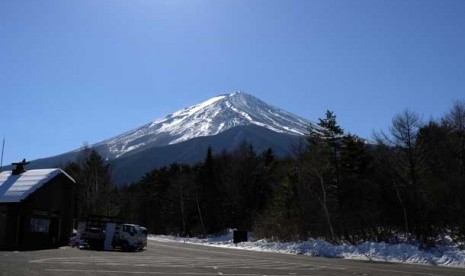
205	119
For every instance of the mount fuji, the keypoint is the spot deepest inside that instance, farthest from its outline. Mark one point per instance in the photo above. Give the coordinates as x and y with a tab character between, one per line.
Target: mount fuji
222	122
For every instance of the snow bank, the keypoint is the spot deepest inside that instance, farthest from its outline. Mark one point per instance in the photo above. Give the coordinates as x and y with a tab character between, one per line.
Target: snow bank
446	254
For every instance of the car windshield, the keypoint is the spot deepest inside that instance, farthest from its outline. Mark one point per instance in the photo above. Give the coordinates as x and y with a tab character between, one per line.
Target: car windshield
136	229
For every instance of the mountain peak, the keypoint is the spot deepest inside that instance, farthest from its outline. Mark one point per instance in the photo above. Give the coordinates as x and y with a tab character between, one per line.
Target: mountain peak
241	95
208	118
233	94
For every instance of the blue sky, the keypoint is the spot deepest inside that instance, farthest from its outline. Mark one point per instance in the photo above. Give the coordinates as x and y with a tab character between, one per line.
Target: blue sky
75	72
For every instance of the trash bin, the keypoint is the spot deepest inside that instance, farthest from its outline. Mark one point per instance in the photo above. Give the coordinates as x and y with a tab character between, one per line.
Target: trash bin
239	236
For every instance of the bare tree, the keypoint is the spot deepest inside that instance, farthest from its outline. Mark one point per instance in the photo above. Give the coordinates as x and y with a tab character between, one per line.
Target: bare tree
405	160
319	168
404	130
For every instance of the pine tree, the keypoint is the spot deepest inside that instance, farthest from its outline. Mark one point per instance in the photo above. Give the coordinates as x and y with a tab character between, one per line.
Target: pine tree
209	196
96	194
321	164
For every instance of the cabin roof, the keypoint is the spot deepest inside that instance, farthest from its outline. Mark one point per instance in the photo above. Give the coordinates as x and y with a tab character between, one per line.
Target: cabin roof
16	188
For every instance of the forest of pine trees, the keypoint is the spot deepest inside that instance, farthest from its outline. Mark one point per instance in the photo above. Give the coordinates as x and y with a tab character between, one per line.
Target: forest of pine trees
410	182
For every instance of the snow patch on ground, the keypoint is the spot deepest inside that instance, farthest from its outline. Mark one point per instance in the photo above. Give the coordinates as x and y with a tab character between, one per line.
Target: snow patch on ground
446	254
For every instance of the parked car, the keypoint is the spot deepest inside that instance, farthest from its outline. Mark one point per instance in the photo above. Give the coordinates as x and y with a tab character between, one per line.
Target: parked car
144	235
103	233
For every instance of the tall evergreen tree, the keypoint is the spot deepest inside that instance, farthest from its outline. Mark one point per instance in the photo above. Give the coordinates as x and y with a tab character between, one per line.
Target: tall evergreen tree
321	164
96	194
210	198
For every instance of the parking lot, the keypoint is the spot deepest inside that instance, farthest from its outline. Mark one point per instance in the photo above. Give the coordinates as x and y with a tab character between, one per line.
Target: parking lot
167	258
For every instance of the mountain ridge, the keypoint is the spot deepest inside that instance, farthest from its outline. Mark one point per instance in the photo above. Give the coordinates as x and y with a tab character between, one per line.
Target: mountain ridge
134	165
222	122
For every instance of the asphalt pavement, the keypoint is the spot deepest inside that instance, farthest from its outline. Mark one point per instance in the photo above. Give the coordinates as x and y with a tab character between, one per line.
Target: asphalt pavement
169	258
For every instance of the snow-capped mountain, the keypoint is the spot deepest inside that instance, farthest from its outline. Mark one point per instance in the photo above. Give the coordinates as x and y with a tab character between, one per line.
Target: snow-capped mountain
208	118
222	123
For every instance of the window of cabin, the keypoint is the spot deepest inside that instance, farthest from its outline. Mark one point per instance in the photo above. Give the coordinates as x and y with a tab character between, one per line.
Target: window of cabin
39	225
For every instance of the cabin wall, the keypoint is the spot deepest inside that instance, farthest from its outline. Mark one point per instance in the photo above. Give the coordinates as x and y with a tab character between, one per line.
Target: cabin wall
9	225
43	220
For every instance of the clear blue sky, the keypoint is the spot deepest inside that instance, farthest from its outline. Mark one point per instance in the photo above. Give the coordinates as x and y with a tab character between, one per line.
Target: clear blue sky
85	70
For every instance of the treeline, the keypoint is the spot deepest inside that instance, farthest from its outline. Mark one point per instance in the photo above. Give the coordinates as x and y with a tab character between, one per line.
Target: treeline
228	190
410	182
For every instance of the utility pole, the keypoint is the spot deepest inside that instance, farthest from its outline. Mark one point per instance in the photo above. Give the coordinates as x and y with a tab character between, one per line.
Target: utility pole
3	149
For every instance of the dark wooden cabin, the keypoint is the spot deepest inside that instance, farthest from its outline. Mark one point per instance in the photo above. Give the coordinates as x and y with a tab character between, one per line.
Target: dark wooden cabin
36	209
